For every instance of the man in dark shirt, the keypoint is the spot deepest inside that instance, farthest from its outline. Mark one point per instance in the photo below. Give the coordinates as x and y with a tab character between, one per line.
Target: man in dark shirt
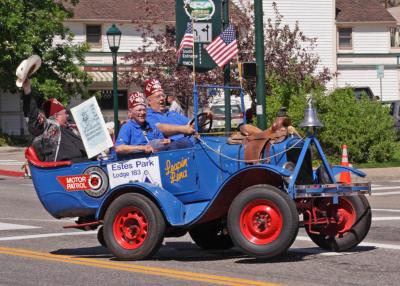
55	139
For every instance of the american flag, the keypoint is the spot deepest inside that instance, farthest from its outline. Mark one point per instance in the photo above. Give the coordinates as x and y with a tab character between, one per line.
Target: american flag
187	40
223	48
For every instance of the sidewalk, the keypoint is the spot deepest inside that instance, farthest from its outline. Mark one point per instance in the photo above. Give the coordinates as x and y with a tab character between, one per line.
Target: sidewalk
12	159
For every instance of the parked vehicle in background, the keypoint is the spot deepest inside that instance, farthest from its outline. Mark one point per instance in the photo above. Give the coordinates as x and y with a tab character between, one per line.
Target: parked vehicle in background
364	90
395	112
218	112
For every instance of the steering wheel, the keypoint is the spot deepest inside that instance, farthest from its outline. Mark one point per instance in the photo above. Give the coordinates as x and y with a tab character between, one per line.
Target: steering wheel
204	121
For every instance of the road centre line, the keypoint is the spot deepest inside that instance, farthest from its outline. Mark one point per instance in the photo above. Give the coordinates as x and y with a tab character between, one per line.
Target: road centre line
129	267
377	245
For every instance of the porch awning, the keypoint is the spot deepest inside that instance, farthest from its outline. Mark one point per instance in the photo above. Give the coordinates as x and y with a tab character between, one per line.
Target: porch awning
101	76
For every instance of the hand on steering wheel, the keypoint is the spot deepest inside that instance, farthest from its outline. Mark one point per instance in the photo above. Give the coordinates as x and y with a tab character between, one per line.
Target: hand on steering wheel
204	121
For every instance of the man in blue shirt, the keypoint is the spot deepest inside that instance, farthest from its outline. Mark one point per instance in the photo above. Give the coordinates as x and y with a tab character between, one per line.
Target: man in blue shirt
157	113
141	135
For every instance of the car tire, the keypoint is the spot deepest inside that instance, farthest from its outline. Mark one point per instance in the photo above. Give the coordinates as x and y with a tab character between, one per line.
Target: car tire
211	236
134	227
263	221
354	217
100	237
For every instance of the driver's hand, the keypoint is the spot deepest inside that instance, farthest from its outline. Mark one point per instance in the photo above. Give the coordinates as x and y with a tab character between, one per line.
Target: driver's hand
188	129
242	129
166	141
148	149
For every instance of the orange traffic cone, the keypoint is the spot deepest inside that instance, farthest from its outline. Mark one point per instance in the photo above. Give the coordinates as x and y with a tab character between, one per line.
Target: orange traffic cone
345	176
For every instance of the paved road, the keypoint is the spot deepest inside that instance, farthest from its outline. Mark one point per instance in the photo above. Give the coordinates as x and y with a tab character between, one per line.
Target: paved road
35	250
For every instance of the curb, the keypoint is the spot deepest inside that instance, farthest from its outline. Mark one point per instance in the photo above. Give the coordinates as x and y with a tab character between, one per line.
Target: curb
11	173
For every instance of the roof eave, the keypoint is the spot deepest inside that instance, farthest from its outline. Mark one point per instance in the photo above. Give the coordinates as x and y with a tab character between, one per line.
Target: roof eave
116	21
365	22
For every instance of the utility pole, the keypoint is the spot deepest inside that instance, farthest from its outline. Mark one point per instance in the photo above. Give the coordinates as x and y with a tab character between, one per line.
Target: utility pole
227	70
260	86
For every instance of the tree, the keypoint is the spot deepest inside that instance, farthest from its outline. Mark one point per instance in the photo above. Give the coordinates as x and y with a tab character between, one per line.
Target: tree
288	57
30	27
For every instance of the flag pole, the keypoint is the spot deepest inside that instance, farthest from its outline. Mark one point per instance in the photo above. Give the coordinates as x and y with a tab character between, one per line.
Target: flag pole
195	91
193	53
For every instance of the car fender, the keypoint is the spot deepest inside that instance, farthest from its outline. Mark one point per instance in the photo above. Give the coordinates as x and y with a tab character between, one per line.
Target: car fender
172	209
233	185
338	169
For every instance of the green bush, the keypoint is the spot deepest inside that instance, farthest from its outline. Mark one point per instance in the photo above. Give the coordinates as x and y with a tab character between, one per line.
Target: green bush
365	126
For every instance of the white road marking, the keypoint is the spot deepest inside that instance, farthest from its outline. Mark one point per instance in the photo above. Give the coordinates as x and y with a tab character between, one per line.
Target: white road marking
383	218
373	244
376	185
386	188
21	237
11	163
38	219
387	210
385	194
10	226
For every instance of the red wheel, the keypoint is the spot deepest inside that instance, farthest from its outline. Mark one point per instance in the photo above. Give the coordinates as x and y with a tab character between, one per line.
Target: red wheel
346	223
345	217
134	227
261	222
130	228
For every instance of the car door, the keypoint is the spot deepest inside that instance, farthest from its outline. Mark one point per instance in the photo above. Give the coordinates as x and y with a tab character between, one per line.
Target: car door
179	173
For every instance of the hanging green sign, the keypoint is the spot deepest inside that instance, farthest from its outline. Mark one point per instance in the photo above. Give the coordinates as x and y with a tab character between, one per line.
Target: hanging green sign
206	16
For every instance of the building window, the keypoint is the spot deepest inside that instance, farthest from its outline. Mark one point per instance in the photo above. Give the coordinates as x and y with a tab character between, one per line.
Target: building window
93	35
395	37
345	38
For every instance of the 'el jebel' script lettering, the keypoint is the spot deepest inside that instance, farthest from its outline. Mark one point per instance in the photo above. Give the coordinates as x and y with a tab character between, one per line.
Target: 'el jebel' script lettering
177	171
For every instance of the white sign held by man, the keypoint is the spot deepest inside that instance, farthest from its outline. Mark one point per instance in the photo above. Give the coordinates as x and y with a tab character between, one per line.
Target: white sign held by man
91	126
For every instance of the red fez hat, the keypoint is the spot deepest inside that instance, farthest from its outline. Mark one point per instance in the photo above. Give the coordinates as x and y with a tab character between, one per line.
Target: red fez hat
135	99
52	106
151	86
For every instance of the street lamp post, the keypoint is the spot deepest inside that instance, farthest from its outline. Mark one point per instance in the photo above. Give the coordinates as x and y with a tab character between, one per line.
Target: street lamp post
114	38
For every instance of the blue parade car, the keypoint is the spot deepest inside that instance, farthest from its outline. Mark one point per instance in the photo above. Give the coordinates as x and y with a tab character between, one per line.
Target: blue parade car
214	191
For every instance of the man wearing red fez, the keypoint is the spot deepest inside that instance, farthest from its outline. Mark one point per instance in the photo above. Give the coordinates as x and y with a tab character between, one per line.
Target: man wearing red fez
157	113
55	139
140	135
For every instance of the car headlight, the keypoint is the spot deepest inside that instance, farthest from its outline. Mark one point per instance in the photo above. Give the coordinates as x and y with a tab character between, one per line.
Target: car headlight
290	167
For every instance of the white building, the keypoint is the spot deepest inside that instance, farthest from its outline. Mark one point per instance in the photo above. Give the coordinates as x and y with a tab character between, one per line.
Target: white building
365	31
316	18
354	37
